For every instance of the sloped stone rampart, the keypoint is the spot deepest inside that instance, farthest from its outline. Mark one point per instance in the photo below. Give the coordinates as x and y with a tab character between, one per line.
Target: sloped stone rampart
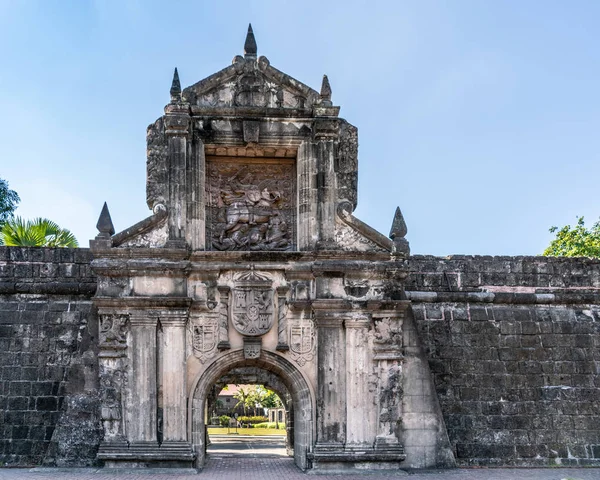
47	365
514	347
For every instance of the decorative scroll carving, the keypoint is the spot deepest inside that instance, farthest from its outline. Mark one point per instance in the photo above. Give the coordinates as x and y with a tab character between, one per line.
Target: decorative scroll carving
113	333
223	318
302	341
204	338
252	308
250	206
282	309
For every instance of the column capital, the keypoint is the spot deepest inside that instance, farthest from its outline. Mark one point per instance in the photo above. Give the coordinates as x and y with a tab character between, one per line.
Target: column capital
174	319
329	321
362	321
143	319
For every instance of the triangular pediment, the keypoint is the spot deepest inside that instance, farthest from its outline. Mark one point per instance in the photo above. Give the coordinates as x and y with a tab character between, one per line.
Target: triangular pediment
251	82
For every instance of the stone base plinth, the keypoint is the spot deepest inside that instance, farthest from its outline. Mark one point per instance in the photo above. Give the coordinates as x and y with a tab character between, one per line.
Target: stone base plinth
146	455
356	459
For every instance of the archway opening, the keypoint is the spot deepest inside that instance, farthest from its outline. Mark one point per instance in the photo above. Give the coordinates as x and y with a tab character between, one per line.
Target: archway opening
271	371
249	411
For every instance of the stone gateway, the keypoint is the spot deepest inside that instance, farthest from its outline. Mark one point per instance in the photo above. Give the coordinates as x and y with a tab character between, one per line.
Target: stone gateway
252	268
253	260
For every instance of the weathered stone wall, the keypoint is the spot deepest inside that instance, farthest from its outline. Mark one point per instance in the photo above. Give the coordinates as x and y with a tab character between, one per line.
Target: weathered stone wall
513	344
514	347
48	404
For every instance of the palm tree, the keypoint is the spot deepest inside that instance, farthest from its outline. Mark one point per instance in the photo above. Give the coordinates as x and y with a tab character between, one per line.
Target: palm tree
243	398
40	232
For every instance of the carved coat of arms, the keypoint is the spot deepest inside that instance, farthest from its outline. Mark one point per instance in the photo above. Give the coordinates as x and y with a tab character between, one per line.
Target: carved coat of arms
204	339
302	342
252	309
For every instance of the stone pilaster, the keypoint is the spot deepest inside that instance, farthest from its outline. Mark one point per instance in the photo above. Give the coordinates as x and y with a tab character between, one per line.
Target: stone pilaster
282	328
196	196
388	355
112	367
307	197
331	388
173	375
177	123
358	401
142	403
223	318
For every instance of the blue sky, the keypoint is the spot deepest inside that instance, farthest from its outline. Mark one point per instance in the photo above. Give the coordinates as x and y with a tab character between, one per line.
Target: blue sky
480	119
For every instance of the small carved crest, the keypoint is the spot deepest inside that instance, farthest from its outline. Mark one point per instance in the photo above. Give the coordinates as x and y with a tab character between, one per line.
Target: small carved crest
252	348
204	339
302	341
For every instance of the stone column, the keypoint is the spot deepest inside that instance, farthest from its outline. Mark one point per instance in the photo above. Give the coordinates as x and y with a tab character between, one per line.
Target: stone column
358	401
331	388
142	404
173	376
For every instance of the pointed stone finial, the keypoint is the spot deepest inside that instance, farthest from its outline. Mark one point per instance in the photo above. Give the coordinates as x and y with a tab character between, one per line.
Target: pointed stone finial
325	89
399	229
325	95
175	87
250	47
398	232
105	225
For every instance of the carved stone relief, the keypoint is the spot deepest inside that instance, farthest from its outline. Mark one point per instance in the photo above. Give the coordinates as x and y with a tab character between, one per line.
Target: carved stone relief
387	331
250	206
251	89
302	340
252	348
113	376
252	309
204	335
349	239
113	332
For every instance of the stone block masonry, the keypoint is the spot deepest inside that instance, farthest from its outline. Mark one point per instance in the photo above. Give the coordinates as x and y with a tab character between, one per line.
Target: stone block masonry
513	344
47	363
514	347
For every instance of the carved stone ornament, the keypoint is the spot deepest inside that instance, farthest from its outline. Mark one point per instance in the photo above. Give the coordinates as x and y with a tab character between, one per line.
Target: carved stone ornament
302	341
113	332
113	380
250	206
252	348
205	335
387	332
252	308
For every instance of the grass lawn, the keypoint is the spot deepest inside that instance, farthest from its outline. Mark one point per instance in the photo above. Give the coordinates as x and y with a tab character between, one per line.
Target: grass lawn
245	431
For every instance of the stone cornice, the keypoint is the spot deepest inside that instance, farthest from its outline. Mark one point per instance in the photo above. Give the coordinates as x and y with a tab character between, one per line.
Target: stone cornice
130	304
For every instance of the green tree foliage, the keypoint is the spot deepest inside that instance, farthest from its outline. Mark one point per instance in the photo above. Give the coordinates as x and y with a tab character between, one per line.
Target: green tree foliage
40	232
256	397
244	399
270	399
578	241
8	201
